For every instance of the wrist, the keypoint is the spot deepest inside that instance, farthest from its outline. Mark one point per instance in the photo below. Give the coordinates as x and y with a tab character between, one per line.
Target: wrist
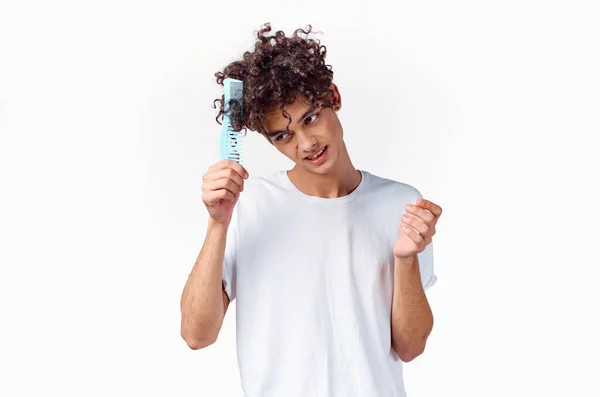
216	226
406	261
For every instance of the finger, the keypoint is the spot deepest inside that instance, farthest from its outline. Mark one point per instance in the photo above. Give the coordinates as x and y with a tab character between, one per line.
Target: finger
219	184
224	173
420	227
220	165
416	223
213	196
226	163
430	206
413	234
406	225
425	215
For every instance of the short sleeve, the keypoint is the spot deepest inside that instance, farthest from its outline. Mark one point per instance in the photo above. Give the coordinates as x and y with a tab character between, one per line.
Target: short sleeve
428	277
230	257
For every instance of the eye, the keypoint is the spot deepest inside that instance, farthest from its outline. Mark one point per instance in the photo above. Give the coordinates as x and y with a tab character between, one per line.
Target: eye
279	137
316	115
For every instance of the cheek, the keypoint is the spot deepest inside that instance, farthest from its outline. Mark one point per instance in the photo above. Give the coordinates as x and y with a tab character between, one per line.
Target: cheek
288	152
336	128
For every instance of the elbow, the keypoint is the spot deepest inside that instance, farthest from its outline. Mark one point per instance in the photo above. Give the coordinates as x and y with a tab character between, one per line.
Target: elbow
196	340
407	355
198	343
411	345
197	336
408	350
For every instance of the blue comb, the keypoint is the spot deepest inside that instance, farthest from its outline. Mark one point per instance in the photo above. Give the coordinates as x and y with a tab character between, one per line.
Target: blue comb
231	141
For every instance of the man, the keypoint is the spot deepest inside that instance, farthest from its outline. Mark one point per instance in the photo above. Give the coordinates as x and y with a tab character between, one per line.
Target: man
329	264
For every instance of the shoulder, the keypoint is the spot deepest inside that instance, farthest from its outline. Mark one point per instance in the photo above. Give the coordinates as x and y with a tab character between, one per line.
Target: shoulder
263	198
388	187
261	190
270	178
262	184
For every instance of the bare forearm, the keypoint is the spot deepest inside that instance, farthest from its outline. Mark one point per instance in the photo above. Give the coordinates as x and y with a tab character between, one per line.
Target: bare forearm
201	302
412	319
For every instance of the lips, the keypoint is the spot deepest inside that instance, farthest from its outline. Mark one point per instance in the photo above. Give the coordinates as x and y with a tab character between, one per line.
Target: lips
321	157
315	154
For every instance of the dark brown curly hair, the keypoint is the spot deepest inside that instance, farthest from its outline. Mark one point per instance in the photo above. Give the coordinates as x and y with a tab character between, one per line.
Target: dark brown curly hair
278	70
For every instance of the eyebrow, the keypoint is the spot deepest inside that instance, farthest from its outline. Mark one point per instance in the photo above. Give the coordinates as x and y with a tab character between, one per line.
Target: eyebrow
308	111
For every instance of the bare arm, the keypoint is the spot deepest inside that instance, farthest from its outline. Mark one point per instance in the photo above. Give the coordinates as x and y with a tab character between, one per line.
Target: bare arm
412	320
203	302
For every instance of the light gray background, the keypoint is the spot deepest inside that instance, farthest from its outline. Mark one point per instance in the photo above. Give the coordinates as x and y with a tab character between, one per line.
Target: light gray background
490	109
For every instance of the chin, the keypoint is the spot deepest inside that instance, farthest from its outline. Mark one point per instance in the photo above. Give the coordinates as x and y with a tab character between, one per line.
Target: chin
319	171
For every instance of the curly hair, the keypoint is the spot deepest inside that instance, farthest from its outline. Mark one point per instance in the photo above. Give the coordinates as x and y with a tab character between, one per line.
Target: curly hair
278	70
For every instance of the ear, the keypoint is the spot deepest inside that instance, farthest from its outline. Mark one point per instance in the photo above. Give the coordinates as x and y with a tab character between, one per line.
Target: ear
337	98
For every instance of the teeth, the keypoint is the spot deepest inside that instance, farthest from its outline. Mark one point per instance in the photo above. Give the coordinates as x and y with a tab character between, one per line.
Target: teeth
316	155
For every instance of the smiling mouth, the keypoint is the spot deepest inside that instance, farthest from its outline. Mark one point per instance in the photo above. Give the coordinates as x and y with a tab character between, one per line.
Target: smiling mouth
316	155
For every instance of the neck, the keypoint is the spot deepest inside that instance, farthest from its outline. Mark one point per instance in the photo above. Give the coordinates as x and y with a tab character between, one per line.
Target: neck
340	181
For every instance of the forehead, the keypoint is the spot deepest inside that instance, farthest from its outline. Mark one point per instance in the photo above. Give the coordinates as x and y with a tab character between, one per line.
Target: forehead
274	116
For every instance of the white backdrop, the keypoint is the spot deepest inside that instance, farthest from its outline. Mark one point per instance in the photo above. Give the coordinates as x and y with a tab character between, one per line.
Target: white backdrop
490	109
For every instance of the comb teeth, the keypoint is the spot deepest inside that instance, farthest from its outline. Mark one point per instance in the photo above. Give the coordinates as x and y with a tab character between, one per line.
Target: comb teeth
232	145
231	140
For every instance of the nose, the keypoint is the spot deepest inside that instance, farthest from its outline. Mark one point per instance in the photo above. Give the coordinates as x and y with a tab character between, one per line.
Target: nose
307	143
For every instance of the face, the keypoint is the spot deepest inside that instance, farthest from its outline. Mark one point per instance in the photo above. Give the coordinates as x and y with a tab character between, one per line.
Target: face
311	130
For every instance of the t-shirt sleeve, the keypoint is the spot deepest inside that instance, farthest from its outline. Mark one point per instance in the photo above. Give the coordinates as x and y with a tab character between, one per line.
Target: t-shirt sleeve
428	277
230	257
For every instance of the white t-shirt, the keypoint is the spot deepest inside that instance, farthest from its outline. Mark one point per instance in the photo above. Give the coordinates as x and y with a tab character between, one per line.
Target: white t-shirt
314	278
